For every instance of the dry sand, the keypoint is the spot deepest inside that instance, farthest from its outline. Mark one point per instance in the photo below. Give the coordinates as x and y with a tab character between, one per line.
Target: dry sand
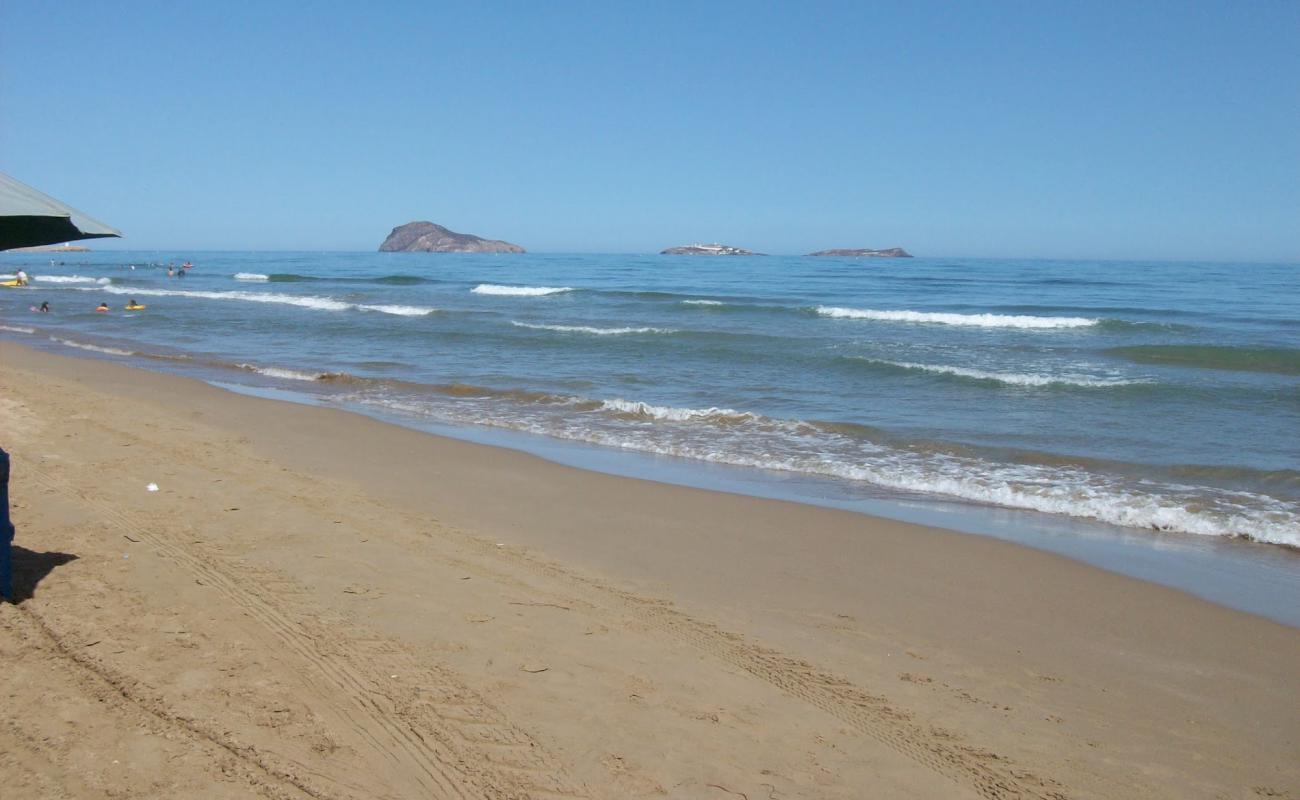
316	604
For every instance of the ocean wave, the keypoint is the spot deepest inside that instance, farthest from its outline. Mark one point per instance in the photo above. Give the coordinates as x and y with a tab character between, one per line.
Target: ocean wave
401	311
1278	360
251	276
746	439
280	372
971	320
519	291
703	303
94	348
388	280
17	329
403	280
1006	378
70	279
634	408
589	329
303	301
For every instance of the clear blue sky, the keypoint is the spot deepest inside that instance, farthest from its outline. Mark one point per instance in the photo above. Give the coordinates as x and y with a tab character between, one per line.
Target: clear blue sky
1035	129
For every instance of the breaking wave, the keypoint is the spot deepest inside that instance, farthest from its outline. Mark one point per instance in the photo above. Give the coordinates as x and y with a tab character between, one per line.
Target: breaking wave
519	291
634	408
94	348
284	374
1007	378
970	320
302	301
589	329
857	453
401	311
70	279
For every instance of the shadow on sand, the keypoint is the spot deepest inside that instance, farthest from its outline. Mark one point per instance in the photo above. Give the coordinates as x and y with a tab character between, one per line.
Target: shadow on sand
31	567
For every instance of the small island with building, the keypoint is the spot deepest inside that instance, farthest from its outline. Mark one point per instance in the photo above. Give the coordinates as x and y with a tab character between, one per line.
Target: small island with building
707	250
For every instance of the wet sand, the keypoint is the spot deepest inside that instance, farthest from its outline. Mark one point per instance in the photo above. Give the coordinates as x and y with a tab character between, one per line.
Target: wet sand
318	604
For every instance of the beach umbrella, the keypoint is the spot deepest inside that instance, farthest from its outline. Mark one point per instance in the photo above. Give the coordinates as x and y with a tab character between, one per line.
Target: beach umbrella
29	218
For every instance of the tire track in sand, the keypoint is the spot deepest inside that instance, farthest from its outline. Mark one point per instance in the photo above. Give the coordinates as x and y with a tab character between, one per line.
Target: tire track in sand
459	745
29	628
990	775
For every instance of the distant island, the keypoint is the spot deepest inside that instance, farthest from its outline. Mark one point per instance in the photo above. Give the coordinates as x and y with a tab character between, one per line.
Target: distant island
426	237
707	250
893	252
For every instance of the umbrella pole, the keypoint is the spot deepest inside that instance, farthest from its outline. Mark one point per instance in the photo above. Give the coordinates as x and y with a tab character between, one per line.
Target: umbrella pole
6	531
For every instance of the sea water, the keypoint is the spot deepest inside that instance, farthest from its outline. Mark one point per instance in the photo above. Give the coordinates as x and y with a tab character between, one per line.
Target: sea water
1156	397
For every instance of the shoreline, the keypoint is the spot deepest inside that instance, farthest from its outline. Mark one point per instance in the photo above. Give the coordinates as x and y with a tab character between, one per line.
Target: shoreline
1247	575
931	432
1068	678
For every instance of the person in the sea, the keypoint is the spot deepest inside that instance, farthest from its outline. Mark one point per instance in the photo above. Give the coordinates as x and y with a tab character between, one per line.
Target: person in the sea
171	272
45	307
180	273
22	278
102	309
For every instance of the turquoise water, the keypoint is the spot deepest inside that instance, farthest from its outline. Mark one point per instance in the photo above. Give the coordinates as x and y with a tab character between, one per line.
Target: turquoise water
1158	396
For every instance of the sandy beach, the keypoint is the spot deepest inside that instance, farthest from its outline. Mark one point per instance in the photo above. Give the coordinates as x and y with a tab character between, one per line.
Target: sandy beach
317	604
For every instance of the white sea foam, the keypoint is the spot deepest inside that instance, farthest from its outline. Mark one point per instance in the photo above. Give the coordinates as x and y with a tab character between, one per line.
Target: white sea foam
279	372
750	440
304	301
703	302
589	329
401	311
519	291
94	348
17	329
251	276
673	414
1011	378
970	320
70	279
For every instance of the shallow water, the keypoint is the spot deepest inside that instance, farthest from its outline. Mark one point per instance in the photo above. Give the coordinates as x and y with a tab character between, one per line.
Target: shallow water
1145	395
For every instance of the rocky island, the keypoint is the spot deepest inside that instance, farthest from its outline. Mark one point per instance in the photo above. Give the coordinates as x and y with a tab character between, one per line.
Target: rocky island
707	250
893	252
426	237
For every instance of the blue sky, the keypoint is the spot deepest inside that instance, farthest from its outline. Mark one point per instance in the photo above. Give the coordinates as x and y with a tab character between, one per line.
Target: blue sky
1036	129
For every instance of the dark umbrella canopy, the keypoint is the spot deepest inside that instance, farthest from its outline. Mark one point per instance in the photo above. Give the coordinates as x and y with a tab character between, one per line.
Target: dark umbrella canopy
29	218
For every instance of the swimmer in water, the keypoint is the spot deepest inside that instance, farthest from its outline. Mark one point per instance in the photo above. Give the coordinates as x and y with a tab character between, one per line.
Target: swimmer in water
103	308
